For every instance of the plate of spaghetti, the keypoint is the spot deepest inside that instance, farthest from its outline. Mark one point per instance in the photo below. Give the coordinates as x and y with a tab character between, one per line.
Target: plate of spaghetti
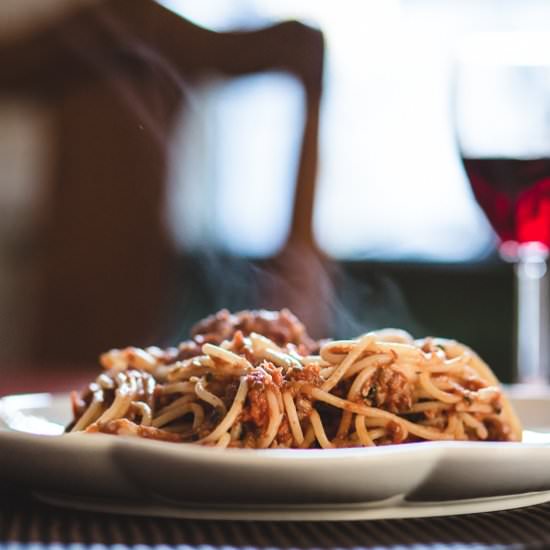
252	413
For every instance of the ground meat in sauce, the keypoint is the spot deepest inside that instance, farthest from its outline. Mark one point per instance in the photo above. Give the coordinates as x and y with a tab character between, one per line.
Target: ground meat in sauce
256	411
283	327
276	373
310	374
390	390
497	430
256	407
395	431
259	380
284	434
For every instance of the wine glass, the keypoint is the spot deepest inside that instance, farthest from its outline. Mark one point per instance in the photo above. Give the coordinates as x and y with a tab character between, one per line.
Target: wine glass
501	98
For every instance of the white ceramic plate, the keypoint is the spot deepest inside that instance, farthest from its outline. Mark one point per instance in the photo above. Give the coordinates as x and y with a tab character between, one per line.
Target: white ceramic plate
155	478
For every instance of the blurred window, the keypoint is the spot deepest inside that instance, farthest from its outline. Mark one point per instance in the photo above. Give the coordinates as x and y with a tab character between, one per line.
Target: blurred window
391	185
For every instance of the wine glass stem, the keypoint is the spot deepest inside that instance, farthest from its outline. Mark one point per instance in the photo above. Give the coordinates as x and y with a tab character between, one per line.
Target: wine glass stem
532	304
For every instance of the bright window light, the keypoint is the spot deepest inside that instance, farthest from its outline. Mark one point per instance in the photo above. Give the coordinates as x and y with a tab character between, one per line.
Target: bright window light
391	185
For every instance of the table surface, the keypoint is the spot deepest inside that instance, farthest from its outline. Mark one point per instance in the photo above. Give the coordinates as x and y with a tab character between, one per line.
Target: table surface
26	522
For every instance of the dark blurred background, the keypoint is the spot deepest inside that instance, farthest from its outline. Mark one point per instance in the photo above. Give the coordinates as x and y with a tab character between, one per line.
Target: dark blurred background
149	172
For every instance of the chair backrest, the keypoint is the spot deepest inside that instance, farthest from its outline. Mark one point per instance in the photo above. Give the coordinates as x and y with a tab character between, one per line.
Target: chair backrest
113	73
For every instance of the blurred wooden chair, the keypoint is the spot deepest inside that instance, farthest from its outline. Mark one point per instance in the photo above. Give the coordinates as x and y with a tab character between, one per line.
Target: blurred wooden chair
113	73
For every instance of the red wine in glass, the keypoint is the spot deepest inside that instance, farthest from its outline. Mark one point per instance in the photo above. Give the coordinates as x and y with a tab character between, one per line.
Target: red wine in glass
514	194
501	101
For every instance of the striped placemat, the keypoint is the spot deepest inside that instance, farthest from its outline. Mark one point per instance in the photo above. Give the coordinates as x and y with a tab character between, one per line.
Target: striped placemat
28	524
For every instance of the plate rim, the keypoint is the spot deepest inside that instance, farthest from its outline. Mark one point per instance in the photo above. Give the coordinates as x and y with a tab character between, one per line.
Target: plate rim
249	455
431	453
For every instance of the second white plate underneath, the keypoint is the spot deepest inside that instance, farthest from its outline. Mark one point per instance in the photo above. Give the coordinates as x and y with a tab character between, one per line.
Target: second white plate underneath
394	508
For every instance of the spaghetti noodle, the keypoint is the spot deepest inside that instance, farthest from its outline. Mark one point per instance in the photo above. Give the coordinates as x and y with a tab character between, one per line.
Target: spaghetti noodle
256	380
